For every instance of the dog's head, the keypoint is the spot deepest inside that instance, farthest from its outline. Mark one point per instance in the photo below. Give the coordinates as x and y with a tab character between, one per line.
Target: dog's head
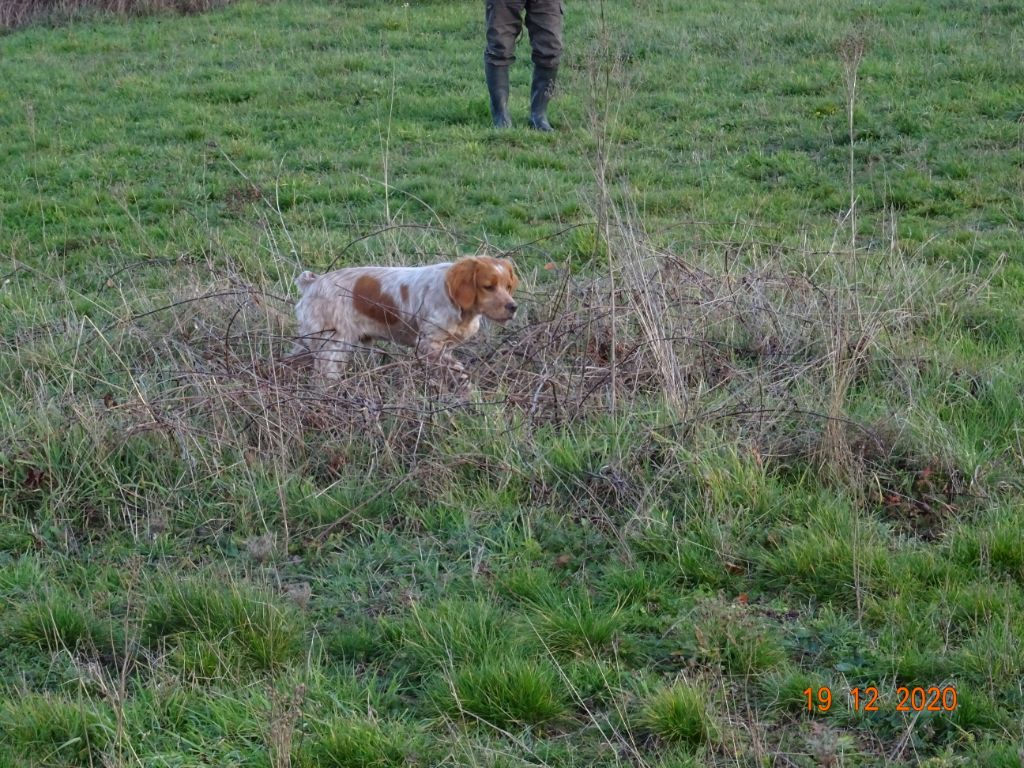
483	285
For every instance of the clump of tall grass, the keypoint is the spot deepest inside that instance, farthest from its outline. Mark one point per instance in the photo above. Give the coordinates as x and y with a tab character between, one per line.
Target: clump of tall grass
56	729
359	741
678	713
210	626
504	691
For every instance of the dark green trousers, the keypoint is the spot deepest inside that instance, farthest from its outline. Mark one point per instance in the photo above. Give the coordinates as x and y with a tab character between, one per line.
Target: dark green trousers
505	23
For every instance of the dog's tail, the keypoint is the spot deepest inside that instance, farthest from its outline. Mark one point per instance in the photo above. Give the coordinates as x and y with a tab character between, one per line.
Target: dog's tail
305	280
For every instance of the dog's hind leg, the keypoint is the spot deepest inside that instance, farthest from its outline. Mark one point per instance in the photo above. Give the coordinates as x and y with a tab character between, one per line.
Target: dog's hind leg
331	355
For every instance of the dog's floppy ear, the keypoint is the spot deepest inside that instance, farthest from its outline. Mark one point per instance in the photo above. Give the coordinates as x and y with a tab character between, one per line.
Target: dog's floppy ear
461	283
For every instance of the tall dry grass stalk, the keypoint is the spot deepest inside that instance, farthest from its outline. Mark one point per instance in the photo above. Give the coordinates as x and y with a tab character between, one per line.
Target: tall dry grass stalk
851	54
853	327
650	299
285	713
607	88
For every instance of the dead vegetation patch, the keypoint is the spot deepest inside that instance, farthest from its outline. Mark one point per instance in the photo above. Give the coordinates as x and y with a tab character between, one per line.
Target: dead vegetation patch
19	13
743	343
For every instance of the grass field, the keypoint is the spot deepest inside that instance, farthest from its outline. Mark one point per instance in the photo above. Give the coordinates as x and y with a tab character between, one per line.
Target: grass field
747	439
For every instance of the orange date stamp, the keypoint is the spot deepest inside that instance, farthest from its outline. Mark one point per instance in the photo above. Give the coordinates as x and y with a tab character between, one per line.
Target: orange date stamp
906	699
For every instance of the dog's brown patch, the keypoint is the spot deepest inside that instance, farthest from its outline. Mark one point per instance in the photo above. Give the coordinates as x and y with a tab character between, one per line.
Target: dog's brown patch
404	290
368	299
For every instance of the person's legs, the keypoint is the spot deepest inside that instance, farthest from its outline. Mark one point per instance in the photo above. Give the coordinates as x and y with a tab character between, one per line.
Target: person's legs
504	24
544	22
504	20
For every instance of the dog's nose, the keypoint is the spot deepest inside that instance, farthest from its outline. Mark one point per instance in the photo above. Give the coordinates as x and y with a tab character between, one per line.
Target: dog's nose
511	307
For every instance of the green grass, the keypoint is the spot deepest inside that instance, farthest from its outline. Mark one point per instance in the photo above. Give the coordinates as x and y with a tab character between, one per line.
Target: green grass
804	469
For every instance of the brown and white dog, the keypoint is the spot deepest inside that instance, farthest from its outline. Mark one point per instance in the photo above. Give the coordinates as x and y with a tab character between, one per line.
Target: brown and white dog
428	308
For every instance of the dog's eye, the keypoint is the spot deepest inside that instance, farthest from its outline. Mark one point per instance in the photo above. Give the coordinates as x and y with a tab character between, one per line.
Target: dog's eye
489	287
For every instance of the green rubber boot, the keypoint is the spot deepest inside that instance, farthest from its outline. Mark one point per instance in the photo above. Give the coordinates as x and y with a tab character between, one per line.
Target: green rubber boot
540	94
497	86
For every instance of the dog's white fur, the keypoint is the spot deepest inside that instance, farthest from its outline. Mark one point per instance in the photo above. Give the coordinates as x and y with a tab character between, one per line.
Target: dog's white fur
428	308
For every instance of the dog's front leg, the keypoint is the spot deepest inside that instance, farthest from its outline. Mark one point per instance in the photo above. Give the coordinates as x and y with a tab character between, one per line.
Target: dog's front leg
438	354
